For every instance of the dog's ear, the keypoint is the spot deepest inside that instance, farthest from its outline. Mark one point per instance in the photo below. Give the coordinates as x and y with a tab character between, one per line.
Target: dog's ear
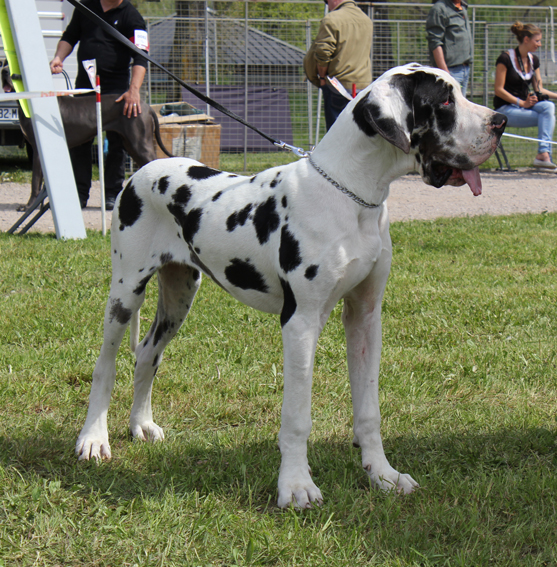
387	110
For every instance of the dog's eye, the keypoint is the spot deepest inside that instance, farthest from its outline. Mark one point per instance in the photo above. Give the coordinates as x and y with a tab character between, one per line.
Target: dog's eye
447	102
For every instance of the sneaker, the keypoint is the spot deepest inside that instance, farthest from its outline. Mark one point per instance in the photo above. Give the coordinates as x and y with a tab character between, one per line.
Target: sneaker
544	164
109	203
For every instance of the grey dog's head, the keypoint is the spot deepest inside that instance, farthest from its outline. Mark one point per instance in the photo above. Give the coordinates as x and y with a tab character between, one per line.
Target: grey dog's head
7	84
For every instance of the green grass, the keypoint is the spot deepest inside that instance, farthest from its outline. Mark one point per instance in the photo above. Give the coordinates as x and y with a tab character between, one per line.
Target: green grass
468	398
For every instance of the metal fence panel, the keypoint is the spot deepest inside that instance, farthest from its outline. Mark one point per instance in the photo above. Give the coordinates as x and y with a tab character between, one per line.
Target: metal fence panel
253	64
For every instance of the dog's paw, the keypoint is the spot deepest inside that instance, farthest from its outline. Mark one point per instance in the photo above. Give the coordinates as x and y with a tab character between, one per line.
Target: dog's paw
147	431
390	479
92	447
295	488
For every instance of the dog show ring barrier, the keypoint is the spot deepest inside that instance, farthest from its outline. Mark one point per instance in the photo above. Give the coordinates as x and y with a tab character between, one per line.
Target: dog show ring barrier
39	202
26	53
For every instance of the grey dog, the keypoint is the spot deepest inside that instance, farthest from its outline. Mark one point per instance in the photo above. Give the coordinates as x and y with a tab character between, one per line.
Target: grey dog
80	125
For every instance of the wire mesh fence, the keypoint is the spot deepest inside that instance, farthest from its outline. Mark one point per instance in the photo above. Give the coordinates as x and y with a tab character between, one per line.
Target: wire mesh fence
252	64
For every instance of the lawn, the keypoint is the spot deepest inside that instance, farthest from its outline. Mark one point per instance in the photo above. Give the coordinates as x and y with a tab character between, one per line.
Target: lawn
468	399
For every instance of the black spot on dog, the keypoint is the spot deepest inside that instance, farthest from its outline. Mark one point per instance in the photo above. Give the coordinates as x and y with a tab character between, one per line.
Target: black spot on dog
289	305
243	274
216	196
311	272
275	181
232	175
121	280
284	201
266	220
141	270
189	222
182	195
156	360
196	274
142	285
253	179
163	184
238	218
166	258
178	213
289	251
130	207
197	250
200	172
362	117
119	312
406	84
162	328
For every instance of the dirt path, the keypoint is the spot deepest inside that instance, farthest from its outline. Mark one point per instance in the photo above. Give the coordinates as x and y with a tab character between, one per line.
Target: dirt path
526	191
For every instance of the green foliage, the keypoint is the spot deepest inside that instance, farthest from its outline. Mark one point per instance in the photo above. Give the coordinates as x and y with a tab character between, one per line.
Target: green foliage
468	398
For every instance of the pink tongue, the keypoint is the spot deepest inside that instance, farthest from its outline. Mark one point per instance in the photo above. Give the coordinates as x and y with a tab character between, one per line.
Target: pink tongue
472	177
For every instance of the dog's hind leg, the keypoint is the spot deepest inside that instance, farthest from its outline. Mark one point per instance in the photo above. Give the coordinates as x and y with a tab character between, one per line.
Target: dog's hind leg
93	439
178	284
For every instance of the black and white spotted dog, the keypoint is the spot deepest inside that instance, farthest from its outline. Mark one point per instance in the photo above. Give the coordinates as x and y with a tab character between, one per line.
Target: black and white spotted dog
293	240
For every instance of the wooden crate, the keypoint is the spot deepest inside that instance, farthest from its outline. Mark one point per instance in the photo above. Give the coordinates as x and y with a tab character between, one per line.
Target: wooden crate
194	140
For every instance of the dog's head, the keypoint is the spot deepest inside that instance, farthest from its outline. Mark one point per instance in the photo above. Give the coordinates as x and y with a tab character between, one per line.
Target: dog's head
422	111
7	84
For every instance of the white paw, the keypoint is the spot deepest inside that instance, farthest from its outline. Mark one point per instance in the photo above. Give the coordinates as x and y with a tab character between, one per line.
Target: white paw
147	431
390	479
295	488
92	446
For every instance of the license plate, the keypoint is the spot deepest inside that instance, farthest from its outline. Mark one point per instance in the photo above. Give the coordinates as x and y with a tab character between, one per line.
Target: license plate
9	113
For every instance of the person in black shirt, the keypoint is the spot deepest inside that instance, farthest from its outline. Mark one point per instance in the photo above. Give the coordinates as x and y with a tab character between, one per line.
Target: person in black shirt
113	62
517	71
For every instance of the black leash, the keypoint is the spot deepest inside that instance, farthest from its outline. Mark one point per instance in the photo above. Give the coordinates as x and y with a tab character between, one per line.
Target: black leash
124	40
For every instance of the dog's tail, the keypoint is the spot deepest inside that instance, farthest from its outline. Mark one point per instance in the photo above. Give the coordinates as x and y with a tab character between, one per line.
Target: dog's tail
158	133
134	331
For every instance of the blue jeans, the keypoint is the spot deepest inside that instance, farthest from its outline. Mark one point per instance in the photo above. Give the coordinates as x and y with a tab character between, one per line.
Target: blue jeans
542	115
461	73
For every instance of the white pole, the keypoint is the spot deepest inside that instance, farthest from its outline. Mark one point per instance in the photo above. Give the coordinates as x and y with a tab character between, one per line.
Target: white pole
320	96
101	156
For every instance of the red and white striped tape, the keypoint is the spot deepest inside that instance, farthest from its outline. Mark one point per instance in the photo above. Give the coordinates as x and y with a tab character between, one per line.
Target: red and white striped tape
42	94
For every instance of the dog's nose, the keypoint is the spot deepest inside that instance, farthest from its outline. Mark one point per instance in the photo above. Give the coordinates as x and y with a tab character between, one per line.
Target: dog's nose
499	121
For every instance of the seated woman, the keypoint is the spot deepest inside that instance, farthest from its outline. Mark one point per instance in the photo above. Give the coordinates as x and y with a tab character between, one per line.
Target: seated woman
517	70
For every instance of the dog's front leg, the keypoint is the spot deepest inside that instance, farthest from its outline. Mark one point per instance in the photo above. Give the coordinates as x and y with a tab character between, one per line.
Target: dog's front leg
295	485
362	322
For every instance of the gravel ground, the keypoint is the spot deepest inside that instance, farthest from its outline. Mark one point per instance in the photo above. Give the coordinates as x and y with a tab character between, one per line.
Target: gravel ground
525	191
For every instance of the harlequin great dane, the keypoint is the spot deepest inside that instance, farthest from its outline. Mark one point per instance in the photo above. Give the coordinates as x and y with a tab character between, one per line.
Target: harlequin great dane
292	240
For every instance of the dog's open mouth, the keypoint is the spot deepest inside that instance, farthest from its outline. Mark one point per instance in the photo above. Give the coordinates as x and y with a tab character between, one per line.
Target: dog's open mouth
444	175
